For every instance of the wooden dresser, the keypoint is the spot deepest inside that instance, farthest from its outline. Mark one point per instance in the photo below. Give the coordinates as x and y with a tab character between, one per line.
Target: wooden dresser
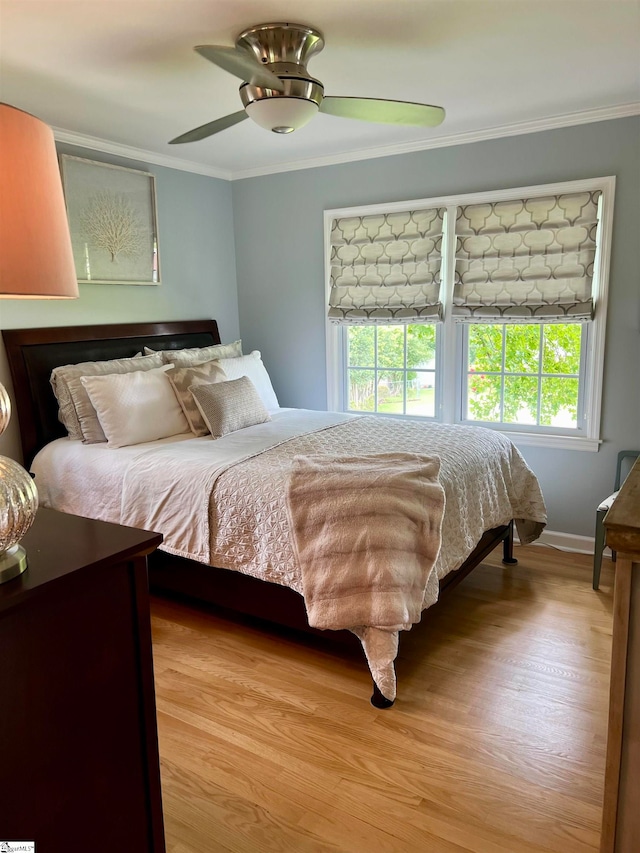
621	815
78	738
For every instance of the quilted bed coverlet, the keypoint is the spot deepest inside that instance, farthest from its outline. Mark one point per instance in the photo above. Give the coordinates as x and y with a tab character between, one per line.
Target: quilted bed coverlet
224	502
244	525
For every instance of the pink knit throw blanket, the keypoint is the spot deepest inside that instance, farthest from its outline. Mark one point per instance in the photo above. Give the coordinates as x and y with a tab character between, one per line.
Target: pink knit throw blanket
366	530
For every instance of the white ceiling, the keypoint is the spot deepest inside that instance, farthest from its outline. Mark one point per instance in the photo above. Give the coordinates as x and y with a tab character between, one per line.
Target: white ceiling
126	73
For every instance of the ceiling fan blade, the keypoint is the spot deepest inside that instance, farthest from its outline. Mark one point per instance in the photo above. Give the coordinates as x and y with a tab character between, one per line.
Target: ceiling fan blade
382	111
241	64
209	129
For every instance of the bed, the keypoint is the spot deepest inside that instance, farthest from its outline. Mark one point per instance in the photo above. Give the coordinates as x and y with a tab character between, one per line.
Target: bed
227	569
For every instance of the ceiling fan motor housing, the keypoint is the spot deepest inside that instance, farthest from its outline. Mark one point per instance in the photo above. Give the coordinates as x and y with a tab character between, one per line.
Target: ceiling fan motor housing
285	49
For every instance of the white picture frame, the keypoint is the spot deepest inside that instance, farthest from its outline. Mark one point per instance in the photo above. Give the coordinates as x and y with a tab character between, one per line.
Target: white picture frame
113	222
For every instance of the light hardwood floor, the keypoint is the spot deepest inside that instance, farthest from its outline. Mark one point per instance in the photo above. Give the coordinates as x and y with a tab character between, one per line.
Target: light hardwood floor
496	743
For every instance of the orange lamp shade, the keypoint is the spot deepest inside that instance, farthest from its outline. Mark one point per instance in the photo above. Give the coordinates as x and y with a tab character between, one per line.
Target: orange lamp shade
36	258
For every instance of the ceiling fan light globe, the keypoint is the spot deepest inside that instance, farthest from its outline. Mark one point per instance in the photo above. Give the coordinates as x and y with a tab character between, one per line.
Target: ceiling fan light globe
282	115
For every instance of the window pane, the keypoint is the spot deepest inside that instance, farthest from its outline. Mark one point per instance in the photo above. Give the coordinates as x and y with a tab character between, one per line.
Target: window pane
521	400
391	346
362	390
421	345
483	397
532	399
361	344
421	393
559	402
561	348
485	348
391	391
522	349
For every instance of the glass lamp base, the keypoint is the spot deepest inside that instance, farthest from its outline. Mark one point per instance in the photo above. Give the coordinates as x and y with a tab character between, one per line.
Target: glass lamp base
13	562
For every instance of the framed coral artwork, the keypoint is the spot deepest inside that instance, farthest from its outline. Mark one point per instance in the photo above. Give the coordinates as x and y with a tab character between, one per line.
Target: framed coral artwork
113	222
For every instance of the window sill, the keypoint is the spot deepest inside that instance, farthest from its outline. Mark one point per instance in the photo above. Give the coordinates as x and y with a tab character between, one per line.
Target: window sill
520	439
558	442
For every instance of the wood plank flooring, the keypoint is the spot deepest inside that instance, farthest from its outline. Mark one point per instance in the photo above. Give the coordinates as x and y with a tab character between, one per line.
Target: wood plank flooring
496	743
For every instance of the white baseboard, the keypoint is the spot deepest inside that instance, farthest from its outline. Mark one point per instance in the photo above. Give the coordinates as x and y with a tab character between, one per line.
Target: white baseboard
569	542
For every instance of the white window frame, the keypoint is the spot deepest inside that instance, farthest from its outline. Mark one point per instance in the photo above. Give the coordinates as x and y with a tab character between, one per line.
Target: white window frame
450	349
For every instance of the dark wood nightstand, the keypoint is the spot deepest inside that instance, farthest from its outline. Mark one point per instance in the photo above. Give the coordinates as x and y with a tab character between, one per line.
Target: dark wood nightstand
78	738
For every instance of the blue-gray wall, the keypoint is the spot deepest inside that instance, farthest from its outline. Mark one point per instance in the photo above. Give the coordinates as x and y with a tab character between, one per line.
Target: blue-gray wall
197	268
278	227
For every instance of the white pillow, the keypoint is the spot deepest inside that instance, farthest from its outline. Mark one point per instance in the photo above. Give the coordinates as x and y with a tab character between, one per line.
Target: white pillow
70	397
251	365
136	407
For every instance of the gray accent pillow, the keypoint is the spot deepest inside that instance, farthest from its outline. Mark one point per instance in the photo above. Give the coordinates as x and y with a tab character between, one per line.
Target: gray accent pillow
70	400
185	378
230	406
198	355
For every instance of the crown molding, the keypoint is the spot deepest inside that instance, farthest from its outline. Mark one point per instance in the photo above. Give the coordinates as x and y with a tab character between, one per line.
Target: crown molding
119	150
465	138
536	126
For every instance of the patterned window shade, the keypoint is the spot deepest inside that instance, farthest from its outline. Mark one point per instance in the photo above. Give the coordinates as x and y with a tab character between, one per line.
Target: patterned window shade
529	260
385	268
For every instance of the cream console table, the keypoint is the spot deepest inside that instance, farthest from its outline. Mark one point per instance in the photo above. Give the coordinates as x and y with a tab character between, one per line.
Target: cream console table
621	814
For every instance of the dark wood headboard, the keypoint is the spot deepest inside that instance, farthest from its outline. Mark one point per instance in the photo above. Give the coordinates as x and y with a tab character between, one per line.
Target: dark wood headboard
33	353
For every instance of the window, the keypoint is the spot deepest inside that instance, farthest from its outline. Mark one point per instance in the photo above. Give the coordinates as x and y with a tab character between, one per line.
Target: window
486	309
391	369
524	374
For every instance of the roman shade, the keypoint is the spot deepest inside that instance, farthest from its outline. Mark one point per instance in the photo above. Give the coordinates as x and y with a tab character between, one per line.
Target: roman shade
528	260
385	268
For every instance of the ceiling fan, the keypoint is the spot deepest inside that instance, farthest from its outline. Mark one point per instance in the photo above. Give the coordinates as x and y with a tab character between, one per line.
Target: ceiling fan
278	92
